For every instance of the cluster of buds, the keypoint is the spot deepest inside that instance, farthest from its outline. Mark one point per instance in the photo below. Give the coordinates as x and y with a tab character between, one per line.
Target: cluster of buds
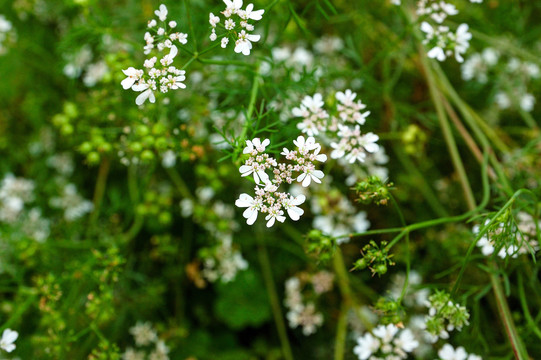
239	31
301	310
375	257
437	10
373	189
268	200
343	128
158	75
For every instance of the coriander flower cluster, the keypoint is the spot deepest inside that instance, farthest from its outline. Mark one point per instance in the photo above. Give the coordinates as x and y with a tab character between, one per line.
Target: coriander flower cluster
343	127
440	39
444	316
236	26
222	262
515	75
268	200
14	194
158	75
383	343
512	241
335	215
303	313
146	338
73	204
448	352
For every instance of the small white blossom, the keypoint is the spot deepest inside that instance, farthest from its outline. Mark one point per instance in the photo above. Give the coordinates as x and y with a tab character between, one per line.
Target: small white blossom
161	13
8	339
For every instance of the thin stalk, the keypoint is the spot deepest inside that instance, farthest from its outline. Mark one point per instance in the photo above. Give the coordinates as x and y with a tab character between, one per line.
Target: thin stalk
99	189
524	304
341	332
251	104
190	25
341	272
403	222
179	183
273	297
468	139
225	62
446	129
505	314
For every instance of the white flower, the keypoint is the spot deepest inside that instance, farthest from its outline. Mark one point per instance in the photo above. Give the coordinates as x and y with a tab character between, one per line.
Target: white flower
386	333
213	35
133	75
168	59
233	6
275	215
260	176
447	352
213	20
309	175
8	338
172	24
169	159
147	93
244	43
527	102
368	141
143	333
406	341
254	15
463	37
250	214
224	43
255	144
290	205
162	12
308	145
366	346
229	24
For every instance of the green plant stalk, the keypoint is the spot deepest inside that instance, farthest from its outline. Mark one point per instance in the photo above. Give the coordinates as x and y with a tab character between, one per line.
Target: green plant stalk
273	297
341	272
190	25
446	129
99	190
251	104
505	314
403	222
341	332
179	183
524	304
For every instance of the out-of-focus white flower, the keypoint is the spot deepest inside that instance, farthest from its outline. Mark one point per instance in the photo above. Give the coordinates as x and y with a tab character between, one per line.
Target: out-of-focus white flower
366	346
527	102
161	13
447	352
144	334
7	342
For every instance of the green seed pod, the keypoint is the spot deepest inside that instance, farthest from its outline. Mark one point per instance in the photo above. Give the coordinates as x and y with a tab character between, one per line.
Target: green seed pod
136	147
93	158
147	155
85	147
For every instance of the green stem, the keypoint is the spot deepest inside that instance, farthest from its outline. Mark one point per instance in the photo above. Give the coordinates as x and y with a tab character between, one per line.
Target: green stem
446	129
516	343
190	25
524	304
225	62
99	190
341	332
273	298
179	183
